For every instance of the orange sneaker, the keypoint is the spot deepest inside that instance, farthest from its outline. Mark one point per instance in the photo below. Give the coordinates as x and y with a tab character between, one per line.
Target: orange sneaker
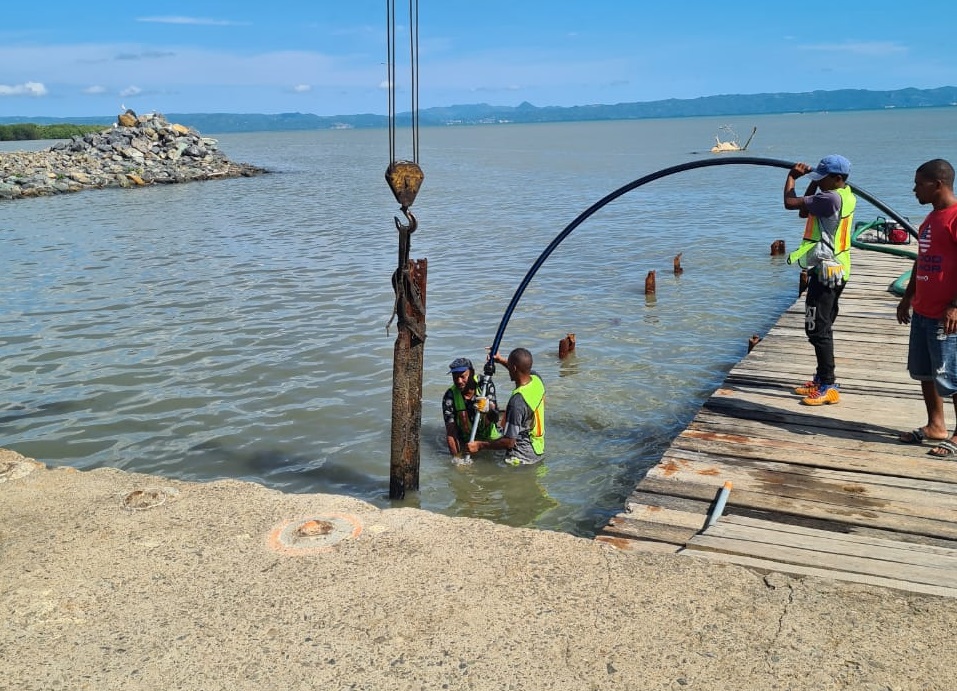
825	395
808	388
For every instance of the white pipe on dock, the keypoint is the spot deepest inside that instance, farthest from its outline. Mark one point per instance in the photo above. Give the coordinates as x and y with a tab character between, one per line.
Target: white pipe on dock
719	504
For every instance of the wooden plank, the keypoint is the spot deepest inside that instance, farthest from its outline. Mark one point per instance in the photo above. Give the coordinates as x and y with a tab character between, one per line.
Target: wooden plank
765	565
623	525
811	508
837	437
834	547
856	414
882	468
806	557
853	490
852	375
656	514
638	545
865	542
666	501
698	512
790	522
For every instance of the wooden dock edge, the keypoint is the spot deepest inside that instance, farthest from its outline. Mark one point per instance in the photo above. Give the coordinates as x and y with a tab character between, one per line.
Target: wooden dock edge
818	491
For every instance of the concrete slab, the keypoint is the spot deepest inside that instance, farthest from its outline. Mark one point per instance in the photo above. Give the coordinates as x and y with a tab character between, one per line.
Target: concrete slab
116	580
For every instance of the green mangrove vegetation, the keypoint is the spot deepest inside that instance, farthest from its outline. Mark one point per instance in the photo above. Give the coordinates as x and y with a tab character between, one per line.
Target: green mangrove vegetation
26	131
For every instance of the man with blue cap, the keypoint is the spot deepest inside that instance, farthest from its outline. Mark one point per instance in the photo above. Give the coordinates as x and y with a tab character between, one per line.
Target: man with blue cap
825	251
461	403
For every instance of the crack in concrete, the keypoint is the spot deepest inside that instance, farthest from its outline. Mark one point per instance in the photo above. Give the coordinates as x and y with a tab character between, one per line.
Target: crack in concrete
769	656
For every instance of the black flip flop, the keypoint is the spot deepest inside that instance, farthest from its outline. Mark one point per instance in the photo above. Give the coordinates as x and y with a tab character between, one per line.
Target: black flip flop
944	449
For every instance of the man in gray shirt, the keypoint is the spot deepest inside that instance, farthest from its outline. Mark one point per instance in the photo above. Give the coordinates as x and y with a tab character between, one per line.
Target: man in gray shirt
524	435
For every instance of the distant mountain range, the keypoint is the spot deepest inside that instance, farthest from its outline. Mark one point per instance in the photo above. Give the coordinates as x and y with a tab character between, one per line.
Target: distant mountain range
480	114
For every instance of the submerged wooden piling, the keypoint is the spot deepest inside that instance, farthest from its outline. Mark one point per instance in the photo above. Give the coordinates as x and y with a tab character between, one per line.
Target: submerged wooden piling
566	346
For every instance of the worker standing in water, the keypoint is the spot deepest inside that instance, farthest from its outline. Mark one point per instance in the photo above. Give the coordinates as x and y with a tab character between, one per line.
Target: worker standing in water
462	402
524	436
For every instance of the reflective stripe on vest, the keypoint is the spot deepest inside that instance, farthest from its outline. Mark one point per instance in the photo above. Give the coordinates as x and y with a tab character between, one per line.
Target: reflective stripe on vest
534	395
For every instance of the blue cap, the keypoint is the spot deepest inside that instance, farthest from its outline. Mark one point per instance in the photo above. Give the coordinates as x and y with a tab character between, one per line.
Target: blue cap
831	165
460	364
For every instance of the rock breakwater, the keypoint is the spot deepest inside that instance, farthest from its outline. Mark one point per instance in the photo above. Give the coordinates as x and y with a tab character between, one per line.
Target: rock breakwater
137	150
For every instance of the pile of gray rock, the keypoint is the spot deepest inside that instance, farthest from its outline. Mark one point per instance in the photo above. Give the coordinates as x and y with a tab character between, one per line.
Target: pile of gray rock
137	150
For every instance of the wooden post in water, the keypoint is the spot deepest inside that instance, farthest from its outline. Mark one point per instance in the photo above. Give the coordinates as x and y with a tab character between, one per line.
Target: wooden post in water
408	281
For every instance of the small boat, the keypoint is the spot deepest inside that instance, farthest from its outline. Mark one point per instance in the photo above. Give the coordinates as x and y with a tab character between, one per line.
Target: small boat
731	143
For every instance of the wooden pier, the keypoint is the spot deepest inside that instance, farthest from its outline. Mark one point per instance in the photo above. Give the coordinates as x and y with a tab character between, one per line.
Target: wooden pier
826	490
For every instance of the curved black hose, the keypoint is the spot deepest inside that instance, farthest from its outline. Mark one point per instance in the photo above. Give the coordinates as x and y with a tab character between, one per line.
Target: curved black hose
664	172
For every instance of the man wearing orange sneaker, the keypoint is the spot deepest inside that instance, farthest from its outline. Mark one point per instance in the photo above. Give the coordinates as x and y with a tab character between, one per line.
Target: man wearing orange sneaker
825	251
932	295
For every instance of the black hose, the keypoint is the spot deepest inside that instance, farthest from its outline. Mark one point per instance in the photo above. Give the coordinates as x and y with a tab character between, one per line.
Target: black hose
664	172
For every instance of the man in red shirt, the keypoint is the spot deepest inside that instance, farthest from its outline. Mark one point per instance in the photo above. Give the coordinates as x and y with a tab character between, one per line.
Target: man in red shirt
932	295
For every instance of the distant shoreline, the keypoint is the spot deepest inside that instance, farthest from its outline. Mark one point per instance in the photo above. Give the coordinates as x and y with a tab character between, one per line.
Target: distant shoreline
842	100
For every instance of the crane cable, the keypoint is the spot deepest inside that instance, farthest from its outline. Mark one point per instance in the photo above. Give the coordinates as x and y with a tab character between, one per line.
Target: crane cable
404	177
414	75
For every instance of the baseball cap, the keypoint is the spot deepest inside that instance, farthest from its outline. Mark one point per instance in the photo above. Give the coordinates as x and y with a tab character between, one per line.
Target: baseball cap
831	165
460	364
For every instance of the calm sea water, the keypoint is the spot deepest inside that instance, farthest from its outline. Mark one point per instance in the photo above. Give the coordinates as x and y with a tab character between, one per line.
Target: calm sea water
237	328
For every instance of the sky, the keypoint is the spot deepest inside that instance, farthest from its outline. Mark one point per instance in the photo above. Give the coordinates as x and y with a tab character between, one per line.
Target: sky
69	59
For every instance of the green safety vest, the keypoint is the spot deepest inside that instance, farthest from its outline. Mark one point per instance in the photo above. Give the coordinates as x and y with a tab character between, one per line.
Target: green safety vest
842	234
534	394
486	430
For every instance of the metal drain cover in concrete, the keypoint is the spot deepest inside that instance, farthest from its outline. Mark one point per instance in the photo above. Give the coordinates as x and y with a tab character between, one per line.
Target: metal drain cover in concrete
316	534
149	498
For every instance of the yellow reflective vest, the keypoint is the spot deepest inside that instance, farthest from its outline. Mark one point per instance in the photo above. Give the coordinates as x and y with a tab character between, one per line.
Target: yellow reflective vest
842	234
534	394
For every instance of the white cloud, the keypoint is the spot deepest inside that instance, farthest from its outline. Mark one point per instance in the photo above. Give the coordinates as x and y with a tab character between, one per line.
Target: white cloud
302	88
25	89
196	21
146	55
867	48
78	65
131	91
95	89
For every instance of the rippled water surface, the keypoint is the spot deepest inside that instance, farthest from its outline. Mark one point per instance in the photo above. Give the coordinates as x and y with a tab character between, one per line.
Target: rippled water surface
237	328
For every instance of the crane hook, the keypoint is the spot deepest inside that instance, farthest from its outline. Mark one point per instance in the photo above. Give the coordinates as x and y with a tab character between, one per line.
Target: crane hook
413	222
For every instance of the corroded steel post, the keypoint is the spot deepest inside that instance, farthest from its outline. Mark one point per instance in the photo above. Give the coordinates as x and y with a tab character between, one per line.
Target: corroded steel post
409	283
407	384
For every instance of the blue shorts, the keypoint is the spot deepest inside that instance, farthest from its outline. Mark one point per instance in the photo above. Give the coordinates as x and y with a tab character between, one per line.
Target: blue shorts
932	358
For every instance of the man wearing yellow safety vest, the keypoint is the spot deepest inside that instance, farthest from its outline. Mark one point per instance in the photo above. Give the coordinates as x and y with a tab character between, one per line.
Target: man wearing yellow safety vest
461	403
825	251
524	435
